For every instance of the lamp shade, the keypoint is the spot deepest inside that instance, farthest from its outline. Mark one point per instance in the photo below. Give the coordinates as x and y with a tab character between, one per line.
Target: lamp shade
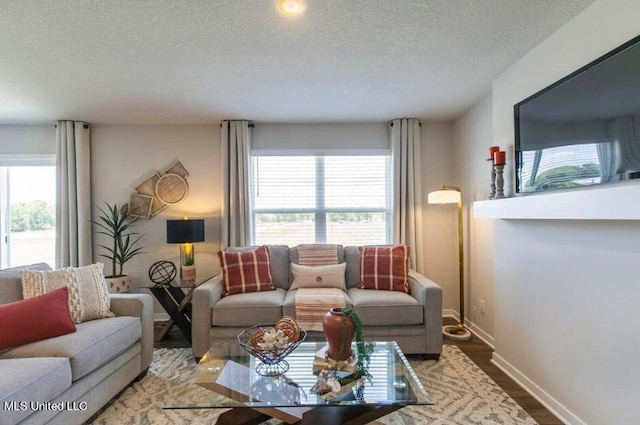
185	231
445	196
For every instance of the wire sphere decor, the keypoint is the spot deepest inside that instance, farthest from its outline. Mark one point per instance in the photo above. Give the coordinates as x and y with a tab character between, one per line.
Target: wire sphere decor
162	272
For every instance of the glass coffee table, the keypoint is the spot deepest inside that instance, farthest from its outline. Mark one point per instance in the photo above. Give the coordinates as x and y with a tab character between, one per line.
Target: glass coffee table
229	373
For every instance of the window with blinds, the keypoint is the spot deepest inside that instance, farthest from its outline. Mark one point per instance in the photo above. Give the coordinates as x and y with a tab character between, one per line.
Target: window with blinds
321	199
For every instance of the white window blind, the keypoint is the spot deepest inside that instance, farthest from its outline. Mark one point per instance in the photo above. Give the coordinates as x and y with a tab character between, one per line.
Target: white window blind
321	199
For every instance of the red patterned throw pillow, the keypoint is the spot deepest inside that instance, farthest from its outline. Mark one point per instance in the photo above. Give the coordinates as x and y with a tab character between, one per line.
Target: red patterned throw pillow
247	271
384	267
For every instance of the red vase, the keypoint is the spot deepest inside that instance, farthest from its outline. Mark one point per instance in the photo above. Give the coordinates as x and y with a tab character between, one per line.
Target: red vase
339	340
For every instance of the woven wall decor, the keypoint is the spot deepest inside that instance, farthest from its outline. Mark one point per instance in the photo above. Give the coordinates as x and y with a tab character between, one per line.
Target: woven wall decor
140	205
158	190
171	189
148	187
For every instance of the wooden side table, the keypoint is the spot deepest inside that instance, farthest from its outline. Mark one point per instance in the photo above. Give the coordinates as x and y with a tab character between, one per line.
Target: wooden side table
177	304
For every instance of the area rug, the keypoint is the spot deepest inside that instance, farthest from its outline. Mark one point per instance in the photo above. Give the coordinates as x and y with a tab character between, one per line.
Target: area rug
462	394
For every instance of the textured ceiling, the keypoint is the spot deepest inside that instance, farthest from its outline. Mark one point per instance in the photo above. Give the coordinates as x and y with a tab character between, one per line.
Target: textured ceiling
196	61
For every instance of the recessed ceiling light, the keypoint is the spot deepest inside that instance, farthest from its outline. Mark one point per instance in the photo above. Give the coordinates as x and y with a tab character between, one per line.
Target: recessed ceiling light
290	7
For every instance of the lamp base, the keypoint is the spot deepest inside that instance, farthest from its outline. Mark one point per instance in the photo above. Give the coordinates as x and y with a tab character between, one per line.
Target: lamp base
457	332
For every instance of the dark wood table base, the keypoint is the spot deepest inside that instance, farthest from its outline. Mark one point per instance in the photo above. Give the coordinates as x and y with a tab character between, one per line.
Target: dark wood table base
330	415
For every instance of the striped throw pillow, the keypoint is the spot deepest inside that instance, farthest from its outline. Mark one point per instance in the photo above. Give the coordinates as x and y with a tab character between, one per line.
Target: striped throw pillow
384	267
247	271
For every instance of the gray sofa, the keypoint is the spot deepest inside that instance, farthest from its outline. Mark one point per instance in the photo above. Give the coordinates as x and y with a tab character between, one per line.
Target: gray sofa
414	321
79	372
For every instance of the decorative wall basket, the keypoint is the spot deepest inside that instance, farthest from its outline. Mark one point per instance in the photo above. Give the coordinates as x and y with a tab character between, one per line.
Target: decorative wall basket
148	187
171	189
140	205
159	190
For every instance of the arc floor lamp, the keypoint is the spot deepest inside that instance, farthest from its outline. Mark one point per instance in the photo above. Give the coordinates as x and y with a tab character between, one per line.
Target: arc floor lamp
453	195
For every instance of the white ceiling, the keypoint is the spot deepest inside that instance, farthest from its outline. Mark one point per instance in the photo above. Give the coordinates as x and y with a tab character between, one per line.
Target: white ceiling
197	61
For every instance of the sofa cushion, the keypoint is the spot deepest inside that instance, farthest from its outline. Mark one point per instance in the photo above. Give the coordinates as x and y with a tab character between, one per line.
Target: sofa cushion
247	271
386	308
352	258
289	303
88	294
330	276
384	267
35	319
11	282
249	309
32	379
93	344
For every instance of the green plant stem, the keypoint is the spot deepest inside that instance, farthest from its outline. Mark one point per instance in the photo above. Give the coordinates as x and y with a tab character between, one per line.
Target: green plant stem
363	349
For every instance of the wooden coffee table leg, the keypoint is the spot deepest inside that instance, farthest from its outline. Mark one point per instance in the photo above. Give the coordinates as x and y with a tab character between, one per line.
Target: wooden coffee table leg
347	415
242	416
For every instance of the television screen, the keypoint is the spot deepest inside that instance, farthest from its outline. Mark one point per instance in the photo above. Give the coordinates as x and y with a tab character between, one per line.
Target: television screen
584	129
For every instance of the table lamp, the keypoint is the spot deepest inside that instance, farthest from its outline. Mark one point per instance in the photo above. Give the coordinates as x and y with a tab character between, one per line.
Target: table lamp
186	232
453	195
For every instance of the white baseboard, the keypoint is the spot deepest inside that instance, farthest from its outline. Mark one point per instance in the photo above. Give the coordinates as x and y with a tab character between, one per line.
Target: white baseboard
450	313
475	329
480	333
555	407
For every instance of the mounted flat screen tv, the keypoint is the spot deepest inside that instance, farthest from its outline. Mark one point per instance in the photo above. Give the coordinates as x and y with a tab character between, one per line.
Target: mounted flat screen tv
584	129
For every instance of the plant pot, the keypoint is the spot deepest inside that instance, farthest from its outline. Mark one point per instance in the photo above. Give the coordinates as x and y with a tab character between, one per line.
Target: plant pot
339	330
118	284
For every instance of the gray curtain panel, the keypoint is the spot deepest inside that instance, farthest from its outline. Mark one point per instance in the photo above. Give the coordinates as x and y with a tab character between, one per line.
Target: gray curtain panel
73	197
236	218
407	187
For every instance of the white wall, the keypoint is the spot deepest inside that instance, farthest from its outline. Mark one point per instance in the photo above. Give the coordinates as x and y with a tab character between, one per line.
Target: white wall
440	238
566	294
122	155
27	139
472	136
316	139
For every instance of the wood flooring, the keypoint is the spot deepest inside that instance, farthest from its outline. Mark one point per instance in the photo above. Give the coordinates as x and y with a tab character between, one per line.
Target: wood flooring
474	348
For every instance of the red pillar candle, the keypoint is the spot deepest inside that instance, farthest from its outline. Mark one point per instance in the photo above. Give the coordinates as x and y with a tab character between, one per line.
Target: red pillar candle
499	158
492	151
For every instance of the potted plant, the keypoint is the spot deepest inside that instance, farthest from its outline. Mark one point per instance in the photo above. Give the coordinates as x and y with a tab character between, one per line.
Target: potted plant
116	223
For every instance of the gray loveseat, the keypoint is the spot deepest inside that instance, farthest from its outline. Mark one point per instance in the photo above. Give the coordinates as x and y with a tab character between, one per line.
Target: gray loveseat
79	372
414	321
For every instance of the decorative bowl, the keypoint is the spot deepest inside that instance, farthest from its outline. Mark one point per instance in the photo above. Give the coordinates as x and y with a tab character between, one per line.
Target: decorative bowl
272	360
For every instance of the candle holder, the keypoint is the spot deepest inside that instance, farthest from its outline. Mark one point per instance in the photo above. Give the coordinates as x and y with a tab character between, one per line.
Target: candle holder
492	187
499	186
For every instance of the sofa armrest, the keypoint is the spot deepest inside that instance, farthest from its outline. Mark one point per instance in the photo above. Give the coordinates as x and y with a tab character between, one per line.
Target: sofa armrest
137	305
429	294
204	298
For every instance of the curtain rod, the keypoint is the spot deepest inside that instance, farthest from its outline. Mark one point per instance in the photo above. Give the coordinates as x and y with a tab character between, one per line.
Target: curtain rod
251	125
419	124
83	125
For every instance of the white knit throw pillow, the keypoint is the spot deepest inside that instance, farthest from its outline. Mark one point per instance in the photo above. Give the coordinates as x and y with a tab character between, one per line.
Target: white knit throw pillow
88	294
